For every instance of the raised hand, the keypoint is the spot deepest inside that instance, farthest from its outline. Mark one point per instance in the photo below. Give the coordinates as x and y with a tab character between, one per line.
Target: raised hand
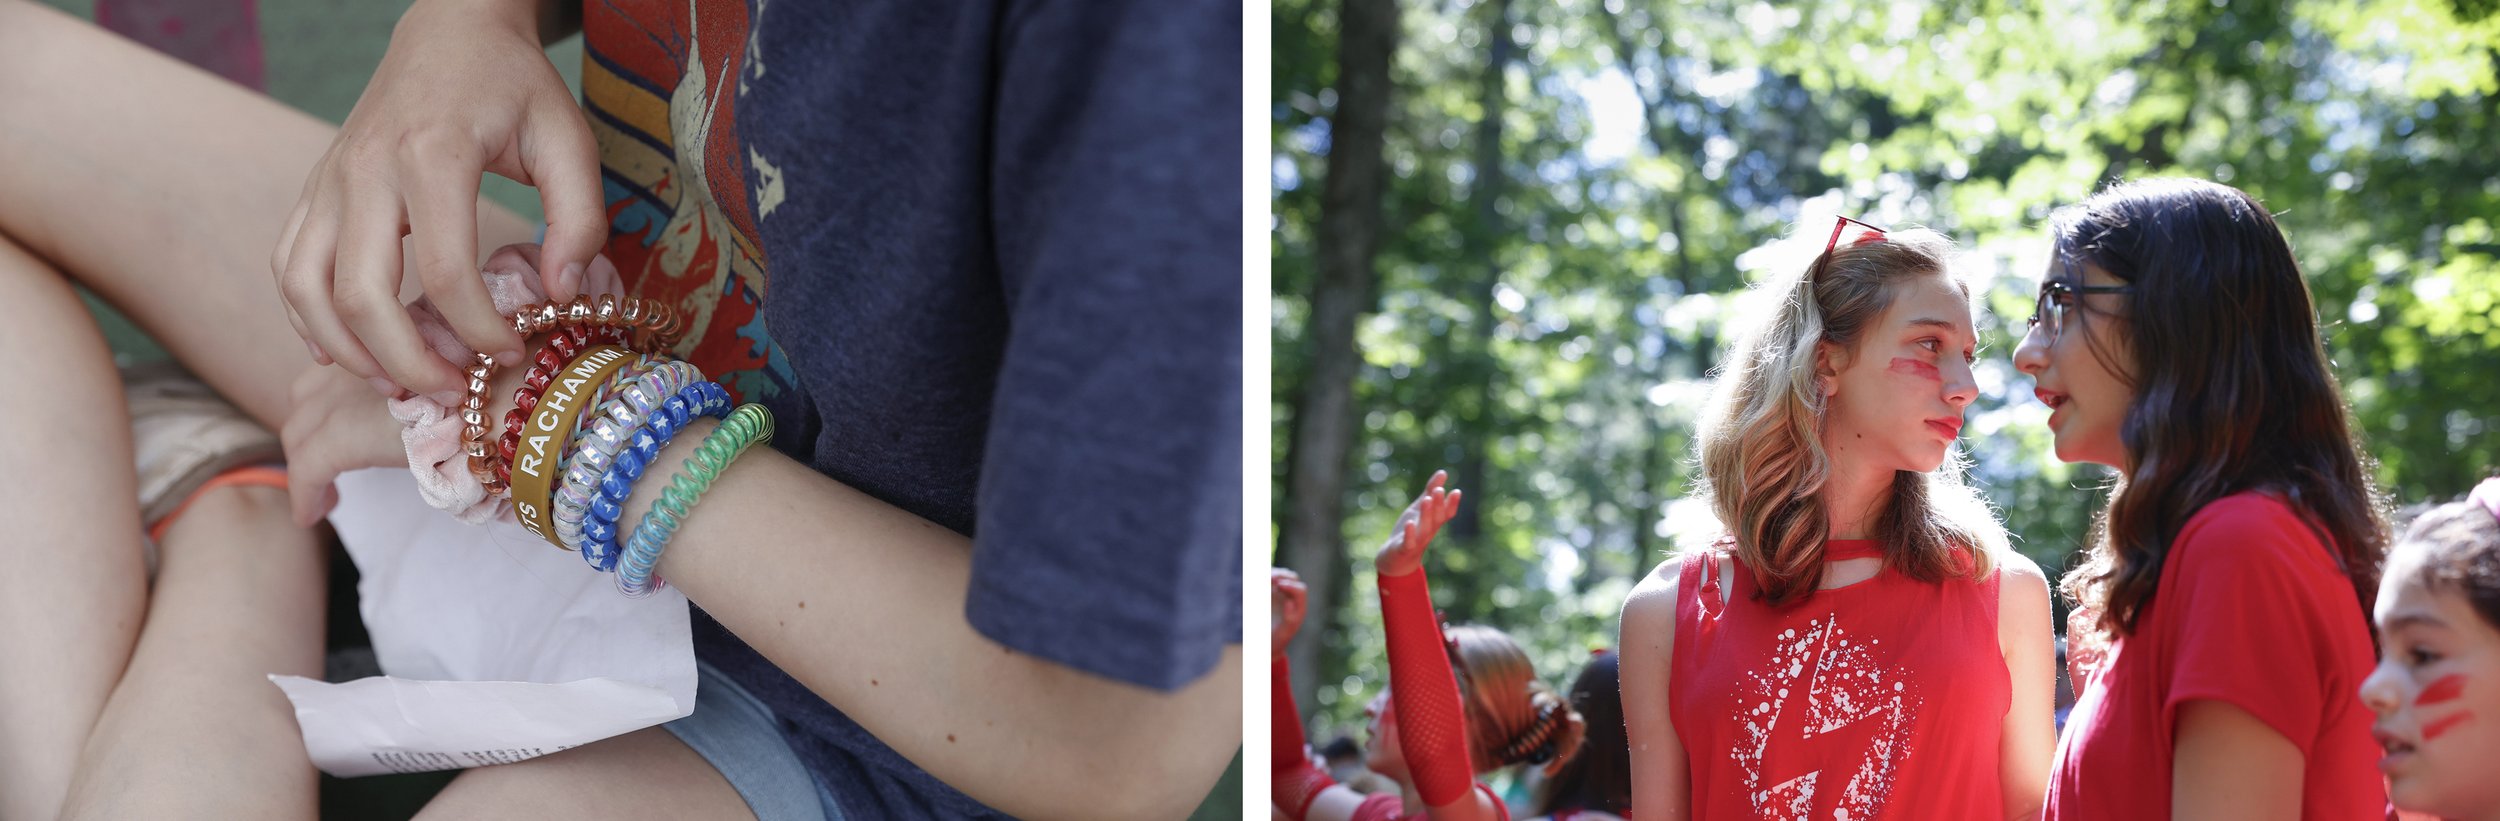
1403	553
1289	599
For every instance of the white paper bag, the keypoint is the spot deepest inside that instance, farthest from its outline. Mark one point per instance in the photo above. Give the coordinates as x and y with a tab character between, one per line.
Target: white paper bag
497	647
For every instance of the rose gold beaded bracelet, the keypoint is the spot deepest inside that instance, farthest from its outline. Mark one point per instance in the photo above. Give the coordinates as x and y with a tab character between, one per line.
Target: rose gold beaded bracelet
652	325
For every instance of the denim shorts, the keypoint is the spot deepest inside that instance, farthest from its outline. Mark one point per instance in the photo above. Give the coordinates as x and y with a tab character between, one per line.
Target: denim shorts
742	739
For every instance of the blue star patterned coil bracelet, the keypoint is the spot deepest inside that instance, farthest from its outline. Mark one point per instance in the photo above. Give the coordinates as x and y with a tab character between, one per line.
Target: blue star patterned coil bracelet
598	532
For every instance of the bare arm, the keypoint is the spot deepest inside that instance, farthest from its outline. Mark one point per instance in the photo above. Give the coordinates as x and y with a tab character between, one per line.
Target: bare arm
2027	640
2225	764
1660	786
864	603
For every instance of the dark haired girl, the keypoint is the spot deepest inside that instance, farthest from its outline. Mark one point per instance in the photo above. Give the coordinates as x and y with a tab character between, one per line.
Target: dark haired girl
2221	617
1595	785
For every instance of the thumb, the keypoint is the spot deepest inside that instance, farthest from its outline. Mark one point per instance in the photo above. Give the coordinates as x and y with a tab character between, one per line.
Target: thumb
309	494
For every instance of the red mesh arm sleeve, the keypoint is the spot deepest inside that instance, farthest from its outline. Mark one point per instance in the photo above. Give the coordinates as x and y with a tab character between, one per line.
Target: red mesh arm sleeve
1297	782
1432	731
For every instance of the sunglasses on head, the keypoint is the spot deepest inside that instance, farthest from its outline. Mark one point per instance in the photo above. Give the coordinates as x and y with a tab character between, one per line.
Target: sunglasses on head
1840	224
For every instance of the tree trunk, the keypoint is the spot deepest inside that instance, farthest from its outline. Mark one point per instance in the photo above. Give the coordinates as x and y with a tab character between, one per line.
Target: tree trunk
1349	236
1483	246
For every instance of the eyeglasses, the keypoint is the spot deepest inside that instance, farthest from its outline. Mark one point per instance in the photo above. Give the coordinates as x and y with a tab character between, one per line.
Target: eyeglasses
2057	297
1839	224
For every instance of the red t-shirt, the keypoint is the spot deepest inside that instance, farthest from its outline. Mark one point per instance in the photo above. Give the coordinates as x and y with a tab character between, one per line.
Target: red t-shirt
1884	699
2252	611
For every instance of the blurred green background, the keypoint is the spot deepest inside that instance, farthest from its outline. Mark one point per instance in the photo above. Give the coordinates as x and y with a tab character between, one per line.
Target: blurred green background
318	55
1506	234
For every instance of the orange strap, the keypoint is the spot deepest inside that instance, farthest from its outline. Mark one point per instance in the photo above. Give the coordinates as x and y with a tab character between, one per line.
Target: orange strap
246	475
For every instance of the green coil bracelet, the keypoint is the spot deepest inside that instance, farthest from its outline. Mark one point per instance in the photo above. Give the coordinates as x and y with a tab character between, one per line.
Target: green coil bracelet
747	426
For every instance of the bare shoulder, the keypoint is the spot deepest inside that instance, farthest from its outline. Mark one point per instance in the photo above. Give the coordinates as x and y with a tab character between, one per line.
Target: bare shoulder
1651	605
2023	612
2019	576
1645	638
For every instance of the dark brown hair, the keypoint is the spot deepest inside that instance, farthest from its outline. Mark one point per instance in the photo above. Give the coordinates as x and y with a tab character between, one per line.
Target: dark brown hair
1600	777
2232	387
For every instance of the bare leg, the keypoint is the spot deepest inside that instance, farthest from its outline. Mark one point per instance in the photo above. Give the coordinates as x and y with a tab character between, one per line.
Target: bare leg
196	730
163	189
76	589
647	773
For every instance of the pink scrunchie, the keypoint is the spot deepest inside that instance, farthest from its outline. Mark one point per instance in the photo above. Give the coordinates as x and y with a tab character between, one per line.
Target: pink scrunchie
431	422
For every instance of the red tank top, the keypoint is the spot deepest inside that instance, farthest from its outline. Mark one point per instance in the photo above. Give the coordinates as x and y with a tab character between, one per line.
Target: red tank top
1884	699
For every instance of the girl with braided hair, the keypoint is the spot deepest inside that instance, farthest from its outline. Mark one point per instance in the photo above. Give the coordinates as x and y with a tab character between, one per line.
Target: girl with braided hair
1461	702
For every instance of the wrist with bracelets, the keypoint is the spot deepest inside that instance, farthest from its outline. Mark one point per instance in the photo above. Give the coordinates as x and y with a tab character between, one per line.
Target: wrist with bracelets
598	530
570	501
561	349
636	572
544	440
588	456
588	421
649	325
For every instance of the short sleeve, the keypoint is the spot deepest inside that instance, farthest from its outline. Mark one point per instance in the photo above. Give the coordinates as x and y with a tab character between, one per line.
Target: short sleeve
2252	624
1108	536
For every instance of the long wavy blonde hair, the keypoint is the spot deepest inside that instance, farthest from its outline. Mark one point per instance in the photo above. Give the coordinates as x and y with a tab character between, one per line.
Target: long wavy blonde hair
1763	466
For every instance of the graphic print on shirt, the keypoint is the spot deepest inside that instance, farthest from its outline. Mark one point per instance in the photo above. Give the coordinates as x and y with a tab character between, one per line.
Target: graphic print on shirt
768	190
1830	686
657	81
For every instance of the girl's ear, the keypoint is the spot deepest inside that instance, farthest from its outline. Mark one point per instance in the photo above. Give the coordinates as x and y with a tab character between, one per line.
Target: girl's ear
1828	360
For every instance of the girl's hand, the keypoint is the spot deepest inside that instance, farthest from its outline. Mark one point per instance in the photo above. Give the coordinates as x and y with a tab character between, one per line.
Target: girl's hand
334	426
1404	552
464	88
1290	599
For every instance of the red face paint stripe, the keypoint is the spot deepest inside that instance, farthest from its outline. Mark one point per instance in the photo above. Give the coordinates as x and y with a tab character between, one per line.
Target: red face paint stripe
2447	688
2441	727
1914	367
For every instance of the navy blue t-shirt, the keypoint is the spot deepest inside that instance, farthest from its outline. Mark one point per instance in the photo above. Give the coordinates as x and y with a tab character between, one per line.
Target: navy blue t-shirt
983	262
